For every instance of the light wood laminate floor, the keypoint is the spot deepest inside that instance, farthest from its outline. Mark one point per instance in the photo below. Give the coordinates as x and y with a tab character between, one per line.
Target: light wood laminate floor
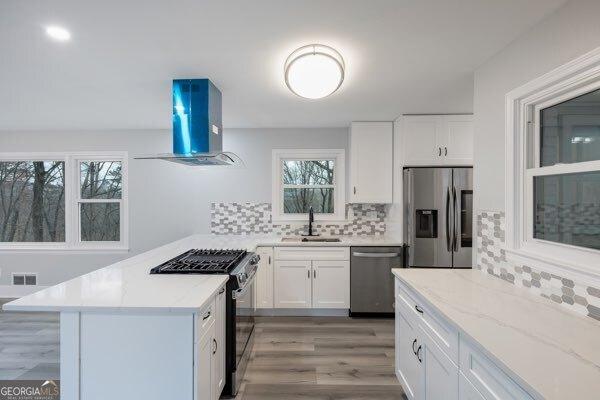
294	358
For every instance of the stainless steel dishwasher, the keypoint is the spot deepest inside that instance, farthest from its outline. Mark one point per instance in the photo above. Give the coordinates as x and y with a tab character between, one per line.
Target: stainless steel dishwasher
371	280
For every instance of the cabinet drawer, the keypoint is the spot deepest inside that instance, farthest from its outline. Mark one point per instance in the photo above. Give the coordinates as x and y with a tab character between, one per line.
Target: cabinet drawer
441	332
488	379
204	320
312	253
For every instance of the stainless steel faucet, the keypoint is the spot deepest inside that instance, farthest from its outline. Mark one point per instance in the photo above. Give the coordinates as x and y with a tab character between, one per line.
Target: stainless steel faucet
311	219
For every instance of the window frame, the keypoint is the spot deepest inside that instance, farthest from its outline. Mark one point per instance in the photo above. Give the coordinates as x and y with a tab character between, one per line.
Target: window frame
339	180
73	242
523	107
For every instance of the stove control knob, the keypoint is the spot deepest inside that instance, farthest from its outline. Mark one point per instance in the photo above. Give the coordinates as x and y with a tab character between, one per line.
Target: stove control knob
255	259
243	276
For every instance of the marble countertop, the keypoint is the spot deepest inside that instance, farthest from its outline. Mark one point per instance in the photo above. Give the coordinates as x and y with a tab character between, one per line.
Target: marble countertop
543	346
127	285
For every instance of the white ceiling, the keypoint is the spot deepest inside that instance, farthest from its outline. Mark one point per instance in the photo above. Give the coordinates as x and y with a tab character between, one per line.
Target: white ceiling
402	56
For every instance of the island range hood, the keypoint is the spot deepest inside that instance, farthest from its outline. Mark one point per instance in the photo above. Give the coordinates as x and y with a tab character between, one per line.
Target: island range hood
197	126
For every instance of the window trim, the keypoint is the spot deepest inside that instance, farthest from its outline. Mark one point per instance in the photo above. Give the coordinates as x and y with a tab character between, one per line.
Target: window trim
339	188
522	157
72	241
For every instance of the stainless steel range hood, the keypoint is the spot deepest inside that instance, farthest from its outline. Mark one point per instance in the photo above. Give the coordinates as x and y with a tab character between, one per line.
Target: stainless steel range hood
197	126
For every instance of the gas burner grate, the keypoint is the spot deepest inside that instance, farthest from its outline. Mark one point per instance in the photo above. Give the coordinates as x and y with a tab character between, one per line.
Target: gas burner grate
201	262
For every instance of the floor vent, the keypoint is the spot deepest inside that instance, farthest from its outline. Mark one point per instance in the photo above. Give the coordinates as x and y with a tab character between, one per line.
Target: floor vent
24	279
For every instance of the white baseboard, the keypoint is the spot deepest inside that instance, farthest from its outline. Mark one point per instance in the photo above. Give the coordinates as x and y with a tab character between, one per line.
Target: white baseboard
16	291
302	312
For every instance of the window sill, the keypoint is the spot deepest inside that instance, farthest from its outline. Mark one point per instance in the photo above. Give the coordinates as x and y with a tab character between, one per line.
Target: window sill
538	260
63	250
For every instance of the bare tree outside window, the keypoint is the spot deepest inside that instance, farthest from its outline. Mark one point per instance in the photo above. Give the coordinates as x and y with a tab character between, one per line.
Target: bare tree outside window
308	183
32	201
101	193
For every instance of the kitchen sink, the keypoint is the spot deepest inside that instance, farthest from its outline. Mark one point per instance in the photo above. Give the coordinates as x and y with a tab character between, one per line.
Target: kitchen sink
311	239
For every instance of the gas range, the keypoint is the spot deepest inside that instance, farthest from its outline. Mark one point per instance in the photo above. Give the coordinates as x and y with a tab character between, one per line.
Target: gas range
239	301
240	264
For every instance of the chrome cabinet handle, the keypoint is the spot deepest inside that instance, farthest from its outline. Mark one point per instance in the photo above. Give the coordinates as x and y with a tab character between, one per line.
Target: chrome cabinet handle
419	309
413	346
445	151
375	255
269	260
308	273
315	273
354	189
418	353
215	346
222	290
206	316
439	151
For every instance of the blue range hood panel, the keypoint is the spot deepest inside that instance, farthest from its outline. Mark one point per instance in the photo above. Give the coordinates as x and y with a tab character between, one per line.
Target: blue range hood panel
197	123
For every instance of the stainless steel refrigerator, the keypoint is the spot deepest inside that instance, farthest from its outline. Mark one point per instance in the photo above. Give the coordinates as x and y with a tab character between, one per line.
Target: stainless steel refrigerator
438	219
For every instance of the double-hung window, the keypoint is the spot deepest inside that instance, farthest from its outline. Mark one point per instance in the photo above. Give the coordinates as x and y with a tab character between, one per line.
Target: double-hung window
63	201
308	178
553	168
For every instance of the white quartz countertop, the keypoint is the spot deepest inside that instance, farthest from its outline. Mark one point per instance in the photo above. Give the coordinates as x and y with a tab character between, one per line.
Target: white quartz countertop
127	285
549	350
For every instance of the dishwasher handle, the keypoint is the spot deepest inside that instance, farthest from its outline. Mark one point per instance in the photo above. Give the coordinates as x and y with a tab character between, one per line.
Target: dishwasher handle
375	255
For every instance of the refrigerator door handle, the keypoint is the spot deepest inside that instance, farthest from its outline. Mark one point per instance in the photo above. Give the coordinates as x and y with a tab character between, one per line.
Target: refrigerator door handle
454	222
448	242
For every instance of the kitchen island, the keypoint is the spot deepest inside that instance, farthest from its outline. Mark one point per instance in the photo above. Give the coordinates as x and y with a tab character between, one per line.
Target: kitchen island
471	336
127	334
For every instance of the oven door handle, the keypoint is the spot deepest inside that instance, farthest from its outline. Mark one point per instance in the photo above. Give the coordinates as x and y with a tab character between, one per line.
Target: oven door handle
242	291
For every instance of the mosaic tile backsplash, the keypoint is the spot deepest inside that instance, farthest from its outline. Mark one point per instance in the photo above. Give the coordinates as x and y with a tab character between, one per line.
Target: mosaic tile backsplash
491	258
255	218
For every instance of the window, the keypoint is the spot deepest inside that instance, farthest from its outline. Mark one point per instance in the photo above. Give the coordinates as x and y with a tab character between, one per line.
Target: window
63	201
308	178
553	168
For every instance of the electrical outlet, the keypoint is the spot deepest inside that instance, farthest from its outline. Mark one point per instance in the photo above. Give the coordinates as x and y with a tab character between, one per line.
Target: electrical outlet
24	279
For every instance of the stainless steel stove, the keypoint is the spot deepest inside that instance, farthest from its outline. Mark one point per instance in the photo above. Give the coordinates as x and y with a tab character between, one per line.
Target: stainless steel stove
241	266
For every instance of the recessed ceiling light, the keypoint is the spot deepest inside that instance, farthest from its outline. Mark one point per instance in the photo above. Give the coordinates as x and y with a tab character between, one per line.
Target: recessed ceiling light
58	33
314	71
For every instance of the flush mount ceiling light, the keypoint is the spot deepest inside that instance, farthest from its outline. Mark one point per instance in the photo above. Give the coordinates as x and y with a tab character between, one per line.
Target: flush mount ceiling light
314	71
58	33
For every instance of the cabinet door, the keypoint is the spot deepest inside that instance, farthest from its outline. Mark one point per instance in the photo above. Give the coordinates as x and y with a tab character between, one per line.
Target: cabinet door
331	284
409	370
458	138
292	284
466	390
420	136
204	366
219	344
264	278
371	162
440	374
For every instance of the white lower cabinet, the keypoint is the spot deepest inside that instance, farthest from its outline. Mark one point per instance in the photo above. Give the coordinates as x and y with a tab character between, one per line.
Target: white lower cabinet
429	364
292	284
440	375
219	355
466	390
209	355
408	367
204	369
264	278
312	278
331	284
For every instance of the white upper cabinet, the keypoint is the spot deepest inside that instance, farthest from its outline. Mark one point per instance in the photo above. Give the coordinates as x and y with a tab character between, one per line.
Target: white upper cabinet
436	139
371	162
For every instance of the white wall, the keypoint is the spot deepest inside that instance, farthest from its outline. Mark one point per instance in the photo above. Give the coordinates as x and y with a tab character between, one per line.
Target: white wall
167	201
568	33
